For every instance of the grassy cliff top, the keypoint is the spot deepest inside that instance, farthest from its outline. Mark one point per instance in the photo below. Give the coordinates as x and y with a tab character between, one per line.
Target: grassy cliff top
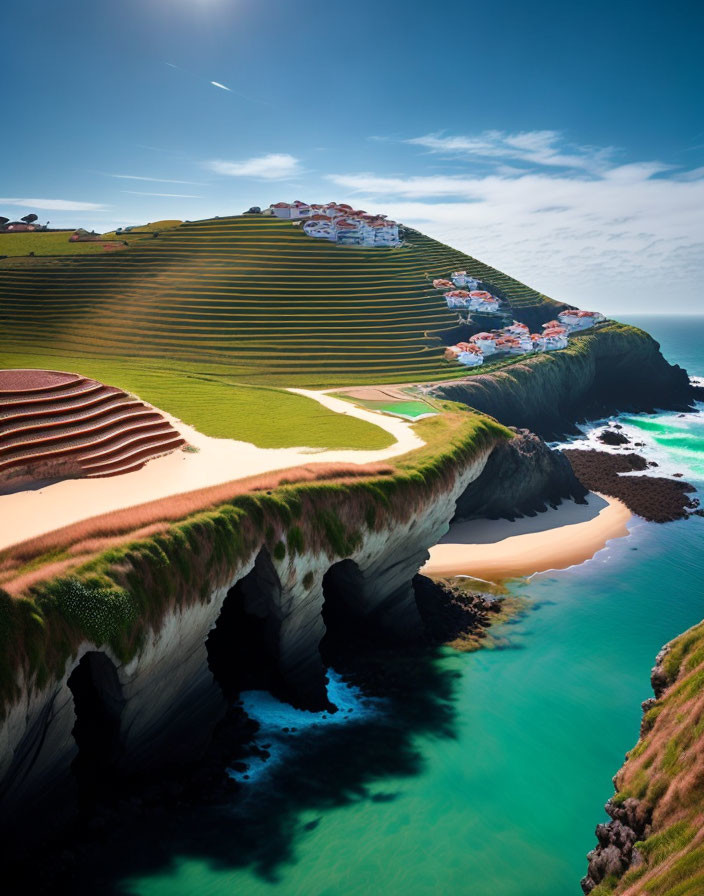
112	581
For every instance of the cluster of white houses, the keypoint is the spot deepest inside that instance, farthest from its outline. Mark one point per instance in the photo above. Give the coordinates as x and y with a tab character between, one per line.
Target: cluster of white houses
340	223
469	297
518	340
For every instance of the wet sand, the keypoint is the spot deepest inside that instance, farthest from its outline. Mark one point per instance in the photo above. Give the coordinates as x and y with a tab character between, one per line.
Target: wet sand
500	549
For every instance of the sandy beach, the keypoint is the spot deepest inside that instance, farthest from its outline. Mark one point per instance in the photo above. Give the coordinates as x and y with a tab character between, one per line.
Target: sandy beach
35	511
500	549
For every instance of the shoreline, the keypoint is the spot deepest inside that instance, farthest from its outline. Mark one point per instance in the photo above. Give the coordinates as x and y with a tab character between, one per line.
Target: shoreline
495	550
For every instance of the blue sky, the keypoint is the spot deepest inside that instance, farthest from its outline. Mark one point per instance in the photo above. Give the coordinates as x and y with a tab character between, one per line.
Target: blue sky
561	142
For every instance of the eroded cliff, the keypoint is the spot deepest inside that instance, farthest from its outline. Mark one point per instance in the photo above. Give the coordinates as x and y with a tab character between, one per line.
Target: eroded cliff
523	476
614	368
125	664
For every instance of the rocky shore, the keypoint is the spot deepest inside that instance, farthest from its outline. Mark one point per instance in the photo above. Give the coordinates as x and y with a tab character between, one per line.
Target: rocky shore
655	498
616	851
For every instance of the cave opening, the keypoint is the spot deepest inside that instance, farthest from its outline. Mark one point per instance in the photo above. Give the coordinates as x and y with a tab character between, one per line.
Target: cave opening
98	703
343	610
243	646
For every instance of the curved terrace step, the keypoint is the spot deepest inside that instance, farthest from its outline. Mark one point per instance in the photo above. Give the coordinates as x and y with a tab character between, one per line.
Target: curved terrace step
92	415
63	424
70	408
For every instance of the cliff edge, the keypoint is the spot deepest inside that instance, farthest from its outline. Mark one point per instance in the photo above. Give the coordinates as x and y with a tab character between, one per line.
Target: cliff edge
614	368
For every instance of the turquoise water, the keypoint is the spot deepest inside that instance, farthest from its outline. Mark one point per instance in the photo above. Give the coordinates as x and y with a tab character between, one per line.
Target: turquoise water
489	773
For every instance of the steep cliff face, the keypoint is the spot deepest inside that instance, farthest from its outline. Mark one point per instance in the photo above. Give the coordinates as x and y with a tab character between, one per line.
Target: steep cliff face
522	476
654	842
111	714
614	368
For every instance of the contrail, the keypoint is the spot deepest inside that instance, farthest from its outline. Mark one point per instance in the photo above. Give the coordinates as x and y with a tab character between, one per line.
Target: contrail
250	99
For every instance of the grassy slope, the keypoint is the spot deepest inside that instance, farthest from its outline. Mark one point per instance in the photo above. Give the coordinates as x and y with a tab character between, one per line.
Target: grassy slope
248	300
115	597
42	243
249	297
268	417
666	771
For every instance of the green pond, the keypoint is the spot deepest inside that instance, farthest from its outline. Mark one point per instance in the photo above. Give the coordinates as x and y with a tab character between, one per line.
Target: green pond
407	408
487	772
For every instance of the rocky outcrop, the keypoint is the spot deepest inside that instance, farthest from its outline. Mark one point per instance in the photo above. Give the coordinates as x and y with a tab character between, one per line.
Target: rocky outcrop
616	852
617	368
522	476
159	707
631	818
655	498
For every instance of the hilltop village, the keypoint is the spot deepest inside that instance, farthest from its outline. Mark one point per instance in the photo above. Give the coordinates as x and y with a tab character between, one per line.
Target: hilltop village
463	291
340	223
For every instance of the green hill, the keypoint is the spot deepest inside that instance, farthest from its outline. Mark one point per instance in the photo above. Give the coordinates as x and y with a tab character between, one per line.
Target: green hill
251	297
247	300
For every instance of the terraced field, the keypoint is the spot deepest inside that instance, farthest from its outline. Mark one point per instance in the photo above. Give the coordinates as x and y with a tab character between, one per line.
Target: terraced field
246	299
56	424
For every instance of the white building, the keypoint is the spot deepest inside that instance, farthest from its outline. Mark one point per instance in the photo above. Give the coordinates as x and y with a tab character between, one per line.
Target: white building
473	357
339	222
579	320
481	300
462	278
510	344
554	338
517	329
348	232
300	209
281	209
321	226
486	342
457	298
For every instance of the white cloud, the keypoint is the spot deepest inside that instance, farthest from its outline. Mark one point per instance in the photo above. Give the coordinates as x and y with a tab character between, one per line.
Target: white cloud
273	166
156	180
542	148
168	195
617	240
221	86
65	205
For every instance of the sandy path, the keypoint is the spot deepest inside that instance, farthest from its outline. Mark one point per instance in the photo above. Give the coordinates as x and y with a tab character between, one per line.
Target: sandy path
556	539
31	512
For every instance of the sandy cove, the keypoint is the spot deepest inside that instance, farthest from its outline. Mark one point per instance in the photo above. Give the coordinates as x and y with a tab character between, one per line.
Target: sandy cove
31	512
500	549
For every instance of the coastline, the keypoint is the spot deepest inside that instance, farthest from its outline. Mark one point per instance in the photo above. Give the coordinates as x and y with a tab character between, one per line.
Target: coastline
556	539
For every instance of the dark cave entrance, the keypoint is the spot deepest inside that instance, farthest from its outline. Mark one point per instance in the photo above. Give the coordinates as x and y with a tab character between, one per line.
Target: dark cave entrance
343	610
98	704
243	647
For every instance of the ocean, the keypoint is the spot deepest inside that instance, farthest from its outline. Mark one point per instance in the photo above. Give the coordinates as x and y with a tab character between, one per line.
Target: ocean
487	775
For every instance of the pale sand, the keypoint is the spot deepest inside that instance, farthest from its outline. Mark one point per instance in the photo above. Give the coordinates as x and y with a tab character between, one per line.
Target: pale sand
32	512
499	549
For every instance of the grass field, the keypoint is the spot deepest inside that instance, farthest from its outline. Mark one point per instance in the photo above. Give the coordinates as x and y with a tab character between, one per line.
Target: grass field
266	416
18	245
